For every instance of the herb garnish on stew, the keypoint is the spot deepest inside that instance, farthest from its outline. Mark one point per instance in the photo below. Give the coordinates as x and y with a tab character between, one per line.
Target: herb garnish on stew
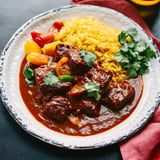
88	57
92	89
51	79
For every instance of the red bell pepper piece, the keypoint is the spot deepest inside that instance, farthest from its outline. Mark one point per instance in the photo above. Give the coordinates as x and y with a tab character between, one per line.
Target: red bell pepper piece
42	38
56	25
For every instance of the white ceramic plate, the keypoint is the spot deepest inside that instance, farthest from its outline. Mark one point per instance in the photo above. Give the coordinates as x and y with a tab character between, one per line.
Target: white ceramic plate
13	54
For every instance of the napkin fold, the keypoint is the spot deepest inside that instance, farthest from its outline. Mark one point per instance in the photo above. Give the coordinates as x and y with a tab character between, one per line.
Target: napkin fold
145	145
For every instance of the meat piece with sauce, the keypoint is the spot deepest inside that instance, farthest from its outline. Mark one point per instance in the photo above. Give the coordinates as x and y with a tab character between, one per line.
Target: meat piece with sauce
118	95
99	75
61	51
77	64
46	90
89	107
96	74
58	109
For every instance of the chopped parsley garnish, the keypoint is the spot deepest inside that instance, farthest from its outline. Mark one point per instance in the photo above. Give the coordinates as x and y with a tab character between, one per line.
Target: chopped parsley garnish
29	74
51	79
92	89
133	55
88	57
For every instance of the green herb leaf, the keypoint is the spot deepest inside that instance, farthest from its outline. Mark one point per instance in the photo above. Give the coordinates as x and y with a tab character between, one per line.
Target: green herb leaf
122	37
134	55
51	79
88	57
65	78
131	44
124	48
150	53
132	73
29	73
140	46
121	58
132	31
92	89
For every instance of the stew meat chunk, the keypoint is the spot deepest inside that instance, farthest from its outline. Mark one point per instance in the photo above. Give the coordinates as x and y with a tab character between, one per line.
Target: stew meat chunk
46	90
118	95
76	62
89	107
99	75
58	109
96	74
61	51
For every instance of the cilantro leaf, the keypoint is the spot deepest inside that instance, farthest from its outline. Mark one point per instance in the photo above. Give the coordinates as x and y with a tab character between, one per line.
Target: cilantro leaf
124	48
140	46
122	37
133	55
88	57
131	44
119	57
92	89
132	31
127	36
132	73
51	79
150	53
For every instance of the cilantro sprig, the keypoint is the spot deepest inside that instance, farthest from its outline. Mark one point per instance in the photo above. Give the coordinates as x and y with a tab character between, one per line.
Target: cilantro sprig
92	89
133	55
88	57
51	79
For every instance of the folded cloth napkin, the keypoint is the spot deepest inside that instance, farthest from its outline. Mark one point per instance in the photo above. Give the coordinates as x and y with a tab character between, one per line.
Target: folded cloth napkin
145	145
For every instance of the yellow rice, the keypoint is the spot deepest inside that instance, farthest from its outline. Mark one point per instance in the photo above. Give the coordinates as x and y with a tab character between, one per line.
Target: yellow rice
92	35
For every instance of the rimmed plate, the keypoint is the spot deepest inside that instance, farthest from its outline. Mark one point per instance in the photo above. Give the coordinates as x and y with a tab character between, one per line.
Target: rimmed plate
13	55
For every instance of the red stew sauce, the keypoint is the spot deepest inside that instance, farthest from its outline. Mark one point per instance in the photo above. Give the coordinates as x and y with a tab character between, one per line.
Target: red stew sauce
107	119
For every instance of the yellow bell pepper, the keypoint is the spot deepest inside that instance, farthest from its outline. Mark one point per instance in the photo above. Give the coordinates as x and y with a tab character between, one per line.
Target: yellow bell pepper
31	46
49	48
37	58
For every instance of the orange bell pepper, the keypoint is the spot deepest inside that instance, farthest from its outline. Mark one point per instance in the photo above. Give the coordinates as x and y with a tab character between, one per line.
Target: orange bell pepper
37	58
62	67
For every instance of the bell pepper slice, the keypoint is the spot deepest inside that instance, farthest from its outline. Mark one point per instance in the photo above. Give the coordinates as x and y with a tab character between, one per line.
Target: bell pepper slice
31	46
65	78
49	48
56	25
42	38
29	73
62	67
37	58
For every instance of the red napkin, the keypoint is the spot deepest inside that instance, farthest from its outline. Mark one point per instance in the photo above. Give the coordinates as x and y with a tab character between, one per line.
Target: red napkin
145	145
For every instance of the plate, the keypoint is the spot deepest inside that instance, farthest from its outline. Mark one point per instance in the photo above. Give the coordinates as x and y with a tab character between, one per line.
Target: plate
13	55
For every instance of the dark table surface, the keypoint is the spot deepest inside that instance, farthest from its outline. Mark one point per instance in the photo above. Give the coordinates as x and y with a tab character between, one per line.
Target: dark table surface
16	144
